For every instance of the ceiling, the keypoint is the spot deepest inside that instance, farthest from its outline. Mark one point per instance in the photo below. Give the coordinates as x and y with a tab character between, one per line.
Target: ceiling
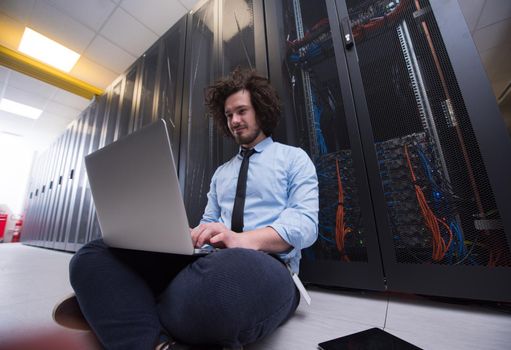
111	34
489	22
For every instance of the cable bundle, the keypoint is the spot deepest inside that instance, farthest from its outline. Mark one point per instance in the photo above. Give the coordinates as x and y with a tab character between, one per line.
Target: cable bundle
340	230
440	248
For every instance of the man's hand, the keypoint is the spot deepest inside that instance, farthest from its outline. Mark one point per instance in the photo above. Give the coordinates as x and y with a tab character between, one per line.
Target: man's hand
218	235
203	233
231	239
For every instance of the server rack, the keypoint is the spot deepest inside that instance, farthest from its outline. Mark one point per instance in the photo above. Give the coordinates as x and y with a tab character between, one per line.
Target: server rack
97	139
70	199
425	113
320	117
388	98
60	212
82	212
67	204
44	233
33	206
396	145
209	50
170	82
78	198
147	77
57	203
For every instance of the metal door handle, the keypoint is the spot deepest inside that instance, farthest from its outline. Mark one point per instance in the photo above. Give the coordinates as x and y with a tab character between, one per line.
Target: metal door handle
347	36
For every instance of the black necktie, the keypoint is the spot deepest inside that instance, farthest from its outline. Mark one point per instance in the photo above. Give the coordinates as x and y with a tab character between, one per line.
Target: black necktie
241	190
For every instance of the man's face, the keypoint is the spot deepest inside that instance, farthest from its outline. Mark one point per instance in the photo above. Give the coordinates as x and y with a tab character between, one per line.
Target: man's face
241	119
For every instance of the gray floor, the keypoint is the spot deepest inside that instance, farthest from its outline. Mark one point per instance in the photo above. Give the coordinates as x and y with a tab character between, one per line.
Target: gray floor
33	279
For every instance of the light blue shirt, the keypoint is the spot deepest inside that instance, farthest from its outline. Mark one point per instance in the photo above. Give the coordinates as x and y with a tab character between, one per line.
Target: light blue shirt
282	192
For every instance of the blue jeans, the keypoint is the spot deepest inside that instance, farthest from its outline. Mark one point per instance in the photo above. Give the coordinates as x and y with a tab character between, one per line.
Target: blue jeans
230	298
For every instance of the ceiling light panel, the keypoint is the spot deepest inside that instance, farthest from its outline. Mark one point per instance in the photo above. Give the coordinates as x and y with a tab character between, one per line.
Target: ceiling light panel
19	109
47	50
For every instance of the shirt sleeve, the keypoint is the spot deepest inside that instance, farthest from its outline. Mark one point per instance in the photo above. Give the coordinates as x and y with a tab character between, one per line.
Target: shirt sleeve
297	224
212	211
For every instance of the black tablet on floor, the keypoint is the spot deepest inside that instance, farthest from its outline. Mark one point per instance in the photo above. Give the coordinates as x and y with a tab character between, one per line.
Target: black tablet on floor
370	339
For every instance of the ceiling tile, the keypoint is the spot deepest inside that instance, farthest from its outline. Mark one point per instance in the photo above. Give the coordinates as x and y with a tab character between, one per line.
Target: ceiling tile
494	11
93	73
494	35
499	86
128	33
59	110
497	63
27	98
92	13
31	85
11	30
14	124
189	4
39	142
52	121
168	13
471	11
71	100
109	55
17	9
4	74
45	132
55	24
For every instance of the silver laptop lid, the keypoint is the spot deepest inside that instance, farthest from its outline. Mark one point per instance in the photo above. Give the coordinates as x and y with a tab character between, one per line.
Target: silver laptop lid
136	192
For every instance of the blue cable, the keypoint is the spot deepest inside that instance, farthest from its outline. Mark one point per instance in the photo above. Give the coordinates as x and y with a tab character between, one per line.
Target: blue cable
438	198
326	228
317	117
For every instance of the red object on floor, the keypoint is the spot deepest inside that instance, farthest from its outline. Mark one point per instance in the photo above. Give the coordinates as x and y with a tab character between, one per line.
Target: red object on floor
17	231
3	224
15	237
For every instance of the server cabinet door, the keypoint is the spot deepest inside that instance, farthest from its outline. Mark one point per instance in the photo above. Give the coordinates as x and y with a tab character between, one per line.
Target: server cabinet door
197	131
221	35
170	85
71	198
43	194
47	229
241	44
76	234
427	115
94	119
56	240
67	184
242	36
35	215
309	69
148	80
98	136
128	102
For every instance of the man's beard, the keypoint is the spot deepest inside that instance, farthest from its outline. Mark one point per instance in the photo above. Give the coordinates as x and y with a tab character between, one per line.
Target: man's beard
246	139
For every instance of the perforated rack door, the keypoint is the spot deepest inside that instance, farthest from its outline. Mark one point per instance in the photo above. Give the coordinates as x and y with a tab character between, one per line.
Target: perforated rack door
441	227
308	67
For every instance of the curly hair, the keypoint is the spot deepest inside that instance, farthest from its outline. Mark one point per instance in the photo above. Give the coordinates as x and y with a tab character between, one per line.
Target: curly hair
263	97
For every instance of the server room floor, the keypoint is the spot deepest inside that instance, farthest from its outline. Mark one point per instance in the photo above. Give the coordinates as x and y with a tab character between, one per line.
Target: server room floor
33	279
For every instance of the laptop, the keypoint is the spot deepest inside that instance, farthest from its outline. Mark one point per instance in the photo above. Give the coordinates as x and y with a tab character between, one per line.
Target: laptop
136	193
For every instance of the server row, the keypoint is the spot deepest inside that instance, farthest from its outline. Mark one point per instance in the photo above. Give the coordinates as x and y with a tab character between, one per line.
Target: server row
388	98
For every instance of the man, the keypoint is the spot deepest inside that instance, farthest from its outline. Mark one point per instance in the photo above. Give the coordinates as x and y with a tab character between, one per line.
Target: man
232	297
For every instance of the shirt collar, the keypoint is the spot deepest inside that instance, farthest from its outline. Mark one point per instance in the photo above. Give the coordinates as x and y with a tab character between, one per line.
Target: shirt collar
260	146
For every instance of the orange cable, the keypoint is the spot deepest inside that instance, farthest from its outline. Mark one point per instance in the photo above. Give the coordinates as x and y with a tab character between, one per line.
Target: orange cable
468	163
340	230
439	246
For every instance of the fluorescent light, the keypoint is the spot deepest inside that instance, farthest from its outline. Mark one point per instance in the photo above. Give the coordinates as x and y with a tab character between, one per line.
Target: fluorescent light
20	109
48	51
